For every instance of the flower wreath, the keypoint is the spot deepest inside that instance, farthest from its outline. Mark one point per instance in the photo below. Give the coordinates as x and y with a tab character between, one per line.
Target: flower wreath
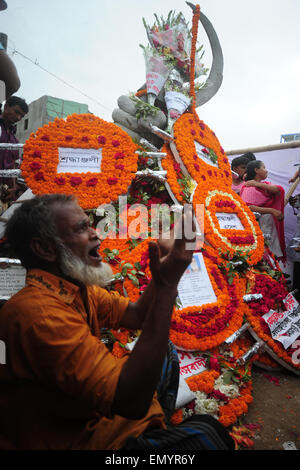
249	240
206	163
207	326
200	327
175	178
273	293
80	131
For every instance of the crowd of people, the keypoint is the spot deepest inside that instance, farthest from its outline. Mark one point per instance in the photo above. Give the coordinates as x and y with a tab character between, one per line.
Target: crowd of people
15	108
266	200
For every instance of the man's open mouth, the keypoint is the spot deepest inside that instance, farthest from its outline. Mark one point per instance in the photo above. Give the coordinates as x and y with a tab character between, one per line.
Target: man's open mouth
94	253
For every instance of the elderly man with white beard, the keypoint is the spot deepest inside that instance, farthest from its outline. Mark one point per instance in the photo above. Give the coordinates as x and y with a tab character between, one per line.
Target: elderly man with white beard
61	387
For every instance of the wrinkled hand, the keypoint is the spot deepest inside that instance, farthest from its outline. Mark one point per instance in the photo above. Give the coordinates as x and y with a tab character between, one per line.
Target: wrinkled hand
125	117
167	271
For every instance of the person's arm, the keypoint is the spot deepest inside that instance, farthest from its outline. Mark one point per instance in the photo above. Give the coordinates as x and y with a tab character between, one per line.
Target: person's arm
271	188
140	375
267	210
296	175
136	312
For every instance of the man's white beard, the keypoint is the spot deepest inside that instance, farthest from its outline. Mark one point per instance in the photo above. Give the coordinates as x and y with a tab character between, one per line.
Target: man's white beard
76	269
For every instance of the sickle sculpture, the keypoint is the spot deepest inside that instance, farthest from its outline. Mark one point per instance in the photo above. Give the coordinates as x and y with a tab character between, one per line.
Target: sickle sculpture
215	77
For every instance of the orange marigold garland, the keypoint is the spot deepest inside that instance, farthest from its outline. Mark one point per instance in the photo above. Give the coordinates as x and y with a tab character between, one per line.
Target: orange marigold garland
207	326
80	131
248	240
200	152
181	185
195	22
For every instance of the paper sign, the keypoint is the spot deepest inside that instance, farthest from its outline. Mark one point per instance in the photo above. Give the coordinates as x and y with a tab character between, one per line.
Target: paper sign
190	363
285	326
12	279
73	160
155	82
203	155
194	287
229	221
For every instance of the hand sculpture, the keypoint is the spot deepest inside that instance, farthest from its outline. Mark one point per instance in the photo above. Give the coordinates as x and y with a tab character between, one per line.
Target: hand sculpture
125	114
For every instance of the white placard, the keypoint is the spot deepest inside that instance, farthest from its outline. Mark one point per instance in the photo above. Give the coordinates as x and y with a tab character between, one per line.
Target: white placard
190	363
177	100
79	160
203	155
194	287
229	221
12	279
184	394
285	326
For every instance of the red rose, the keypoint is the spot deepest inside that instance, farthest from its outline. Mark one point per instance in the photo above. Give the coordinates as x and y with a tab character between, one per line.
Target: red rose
39	176
92	182
85	138
60	180
197	167
213	363
101	139
112	181
35	165
45	137
115	143
36	154
118	166
119	155
69	137
193	132
75	180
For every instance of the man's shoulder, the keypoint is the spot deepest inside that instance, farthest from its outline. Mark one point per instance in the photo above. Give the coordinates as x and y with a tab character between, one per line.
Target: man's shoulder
8	132
27	303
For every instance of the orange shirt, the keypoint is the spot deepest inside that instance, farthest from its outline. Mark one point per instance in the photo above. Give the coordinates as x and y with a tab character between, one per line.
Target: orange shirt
59	380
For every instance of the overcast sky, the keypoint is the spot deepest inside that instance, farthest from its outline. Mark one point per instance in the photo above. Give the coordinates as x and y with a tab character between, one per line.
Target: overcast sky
93	45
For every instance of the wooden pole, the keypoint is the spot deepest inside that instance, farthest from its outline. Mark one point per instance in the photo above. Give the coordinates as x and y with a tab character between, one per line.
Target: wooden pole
291	190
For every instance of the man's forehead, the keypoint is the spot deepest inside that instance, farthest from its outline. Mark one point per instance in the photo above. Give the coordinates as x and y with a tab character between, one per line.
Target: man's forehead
68	215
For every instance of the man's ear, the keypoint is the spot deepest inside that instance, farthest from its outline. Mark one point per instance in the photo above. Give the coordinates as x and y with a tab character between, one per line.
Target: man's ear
44	249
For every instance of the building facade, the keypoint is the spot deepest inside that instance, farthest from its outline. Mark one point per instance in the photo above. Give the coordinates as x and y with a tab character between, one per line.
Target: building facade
44	110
